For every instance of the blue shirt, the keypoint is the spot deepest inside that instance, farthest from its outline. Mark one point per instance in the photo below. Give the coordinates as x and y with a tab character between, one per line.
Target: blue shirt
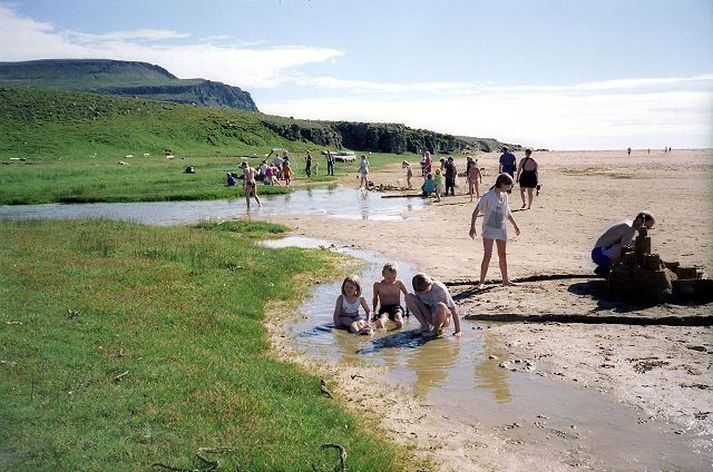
429	186
507	160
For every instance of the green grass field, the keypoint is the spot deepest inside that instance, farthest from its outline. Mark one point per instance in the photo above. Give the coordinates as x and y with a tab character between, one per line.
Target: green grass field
72	143
126	345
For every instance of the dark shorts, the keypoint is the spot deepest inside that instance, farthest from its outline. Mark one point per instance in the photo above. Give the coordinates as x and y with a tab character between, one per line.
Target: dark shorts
600	256
528	179
391	310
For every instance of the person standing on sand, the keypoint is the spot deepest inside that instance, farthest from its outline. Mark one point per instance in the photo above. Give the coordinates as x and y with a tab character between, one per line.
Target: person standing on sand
451	172
286	170
496	211
628	152
427	164
474	175
507	162
527	177
611	243
409	173
438	182
250	184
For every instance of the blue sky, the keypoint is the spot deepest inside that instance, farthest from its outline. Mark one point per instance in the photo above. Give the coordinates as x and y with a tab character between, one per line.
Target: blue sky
575	74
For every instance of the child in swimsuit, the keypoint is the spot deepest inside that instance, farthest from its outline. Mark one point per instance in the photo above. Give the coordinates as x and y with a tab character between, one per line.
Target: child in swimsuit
388	294
346	310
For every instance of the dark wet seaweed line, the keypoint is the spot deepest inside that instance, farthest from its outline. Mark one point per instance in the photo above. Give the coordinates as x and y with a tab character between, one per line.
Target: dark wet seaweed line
594	319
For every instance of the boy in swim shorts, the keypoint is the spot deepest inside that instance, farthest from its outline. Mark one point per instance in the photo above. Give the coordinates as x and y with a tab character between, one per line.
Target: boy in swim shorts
388	294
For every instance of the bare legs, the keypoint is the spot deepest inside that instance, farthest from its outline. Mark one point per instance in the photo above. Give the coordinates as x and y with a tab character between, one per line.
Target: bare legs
530	197
502	260
433	323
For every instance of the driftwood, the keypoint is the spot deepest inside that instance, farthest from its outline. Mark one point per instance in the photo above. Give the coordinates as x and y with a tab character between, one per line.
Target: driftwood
693	320
342	466
208	465
323	388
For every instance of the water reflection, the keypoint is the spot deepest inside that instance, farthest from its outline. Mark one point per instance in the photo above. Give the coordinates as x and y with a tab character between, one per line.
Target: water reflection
488	375
338	202
432	363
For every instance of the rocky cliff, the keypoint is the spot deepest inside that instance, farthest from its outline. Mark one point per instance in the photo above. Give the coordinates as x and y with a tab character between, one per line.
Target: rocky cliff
379	137
126	78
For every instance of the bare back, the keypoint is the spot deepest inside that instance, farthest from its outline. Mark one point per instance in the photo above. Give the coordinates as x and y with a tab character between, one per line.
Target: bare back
621	232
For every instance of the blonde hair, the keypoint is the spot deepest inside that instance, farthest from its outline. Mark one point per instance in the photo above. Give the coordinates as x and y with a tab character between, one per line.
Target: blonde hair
421	282
354	280
438	171
390	268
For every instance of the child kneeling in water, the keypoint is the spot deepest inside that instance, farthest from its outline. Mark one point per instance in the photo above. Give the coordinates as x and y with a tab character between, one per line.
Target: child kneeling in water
432	305
346	310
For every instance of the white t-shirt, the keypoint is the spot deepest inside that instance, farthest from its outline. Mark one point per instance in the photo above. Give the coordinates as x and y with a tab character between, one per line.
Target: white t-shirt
438	294
495	212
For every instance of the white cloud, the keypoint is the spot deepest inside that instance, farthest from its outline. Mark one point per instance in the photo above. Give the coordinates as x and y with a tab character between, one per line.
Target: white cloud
238	65
560	121
138	34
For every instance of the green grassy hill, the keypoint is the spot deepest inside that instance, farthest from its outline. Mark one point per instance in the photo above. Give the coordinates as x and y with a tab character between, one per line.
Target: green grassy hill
46	124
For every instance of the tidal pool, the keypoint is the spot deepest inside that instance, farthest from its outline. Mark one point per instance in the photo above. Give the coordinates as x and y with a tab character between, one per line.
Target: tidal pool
337	202
463	379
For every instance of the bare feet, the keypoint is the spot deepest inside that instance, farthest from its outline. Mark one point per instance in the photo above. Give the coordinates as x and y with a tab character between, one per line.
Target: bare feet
366	330
509	283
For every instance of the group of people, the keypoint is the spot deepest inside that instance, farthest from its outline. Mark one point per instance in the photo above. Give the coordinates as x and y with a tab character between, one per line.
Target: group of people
440	182
430	303
525	173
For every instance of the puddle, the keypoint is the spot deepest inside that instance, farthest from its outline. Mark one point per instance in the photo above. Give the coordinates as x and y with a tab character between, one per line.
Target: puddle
458	377
337	202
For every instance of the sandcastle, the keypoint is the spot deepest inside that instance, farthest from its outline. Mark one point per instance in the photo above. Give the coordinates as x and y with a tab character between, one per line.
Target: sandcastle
643	276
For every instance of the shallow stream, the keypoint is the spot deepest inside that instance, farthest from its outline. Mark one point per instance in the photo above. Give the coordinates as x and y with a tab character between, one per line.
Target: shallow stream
463	379
336	202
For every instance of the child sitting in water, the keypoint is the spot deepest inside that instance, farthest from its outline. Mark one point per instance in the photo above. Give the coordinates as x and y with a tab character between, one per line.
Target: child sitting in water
432	305
346	310
388	293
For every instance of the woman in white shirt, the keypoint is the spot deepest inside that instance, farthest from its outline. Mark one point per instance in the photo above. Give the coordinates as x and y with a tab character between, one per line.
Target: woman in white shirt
495	210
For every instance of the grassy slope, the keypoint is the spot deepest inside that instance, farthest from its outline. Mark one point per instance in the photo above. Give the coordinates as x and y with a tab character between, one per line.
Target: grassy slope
180	310
74	141
50	124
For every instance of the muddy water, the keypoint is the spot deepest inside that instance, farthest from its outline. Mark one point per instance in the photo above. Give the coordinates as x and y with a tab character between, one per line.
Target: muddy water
463	379
337	202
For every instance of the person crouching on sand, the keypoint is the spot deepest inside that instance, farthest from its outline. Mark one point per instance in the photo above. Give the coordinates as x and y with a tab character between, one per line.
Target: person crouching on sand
432	305
495	209
346	310
611	243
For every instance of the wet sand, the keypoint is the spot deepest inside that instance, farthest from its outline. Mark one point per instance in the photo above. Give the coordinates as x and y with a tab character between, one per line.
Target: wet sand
661	375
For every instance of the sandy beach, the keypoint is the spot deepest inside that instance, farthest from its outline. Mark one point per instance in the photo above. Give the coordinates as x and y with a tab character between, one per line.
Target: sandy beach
660	373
